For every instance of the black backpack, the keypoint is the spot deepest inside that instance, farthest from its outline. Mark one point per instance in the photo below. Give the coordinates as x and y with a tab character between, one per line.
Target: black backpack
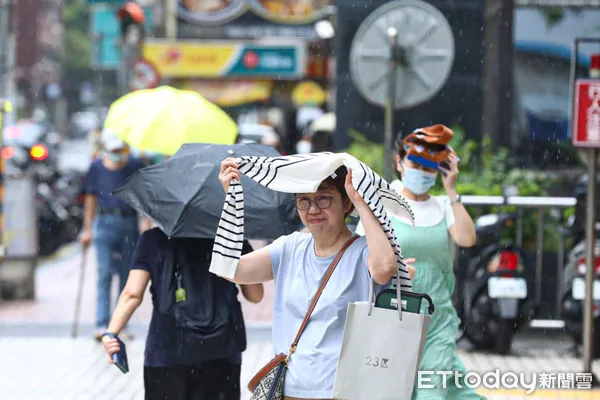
209	320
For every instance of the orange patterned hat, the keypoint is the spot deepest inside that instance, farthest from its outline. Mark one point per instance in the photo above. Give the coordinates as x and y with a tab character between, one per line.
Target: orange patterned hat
429	146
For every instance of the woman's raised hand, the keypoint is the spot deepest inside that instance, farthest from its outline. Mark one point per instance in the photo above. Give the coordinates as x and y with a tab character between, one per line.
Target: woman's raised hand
229	170
409	265
353	195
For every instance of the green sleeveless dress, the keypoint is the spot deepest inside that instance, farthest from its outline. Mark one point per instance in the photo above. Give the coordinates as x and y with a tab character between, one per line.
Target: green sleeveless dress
431	246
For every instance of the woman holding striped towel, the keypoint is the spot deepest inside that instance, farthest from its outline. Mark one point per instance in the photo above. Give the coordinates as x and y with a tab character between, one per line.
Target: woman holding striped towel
297	262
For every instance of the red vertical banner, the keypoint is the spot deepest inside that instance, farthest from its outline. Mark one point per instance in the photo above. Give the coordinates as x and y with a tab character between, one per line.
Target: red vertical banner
586	113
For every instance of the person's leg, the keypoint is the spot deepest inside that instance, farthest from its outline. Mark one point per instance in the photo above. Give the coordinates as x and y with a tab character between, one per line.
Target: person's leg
227	383
441	361
434	388
437	358
217	380
104	251
461	391
165	383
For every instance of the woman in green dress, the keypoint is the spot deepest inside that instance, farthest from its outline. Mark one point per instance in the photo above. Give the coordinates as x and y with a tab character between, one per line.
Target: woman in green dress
421	157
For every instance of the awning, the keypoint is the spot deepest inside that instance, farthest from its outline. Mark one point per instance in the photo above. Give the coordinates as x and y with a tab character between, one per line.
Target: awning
231	93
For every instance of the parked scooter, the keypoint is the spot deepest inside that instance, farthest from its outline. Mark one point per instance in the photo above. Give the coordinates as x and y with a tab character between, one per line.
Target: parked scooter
33	150
64	198
30	144
68	190
573	281
493	302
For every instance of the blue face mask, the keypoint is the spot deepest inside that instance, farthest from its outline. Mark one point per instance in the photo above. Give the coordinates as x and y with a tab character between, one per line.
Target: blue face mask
417	181
115	157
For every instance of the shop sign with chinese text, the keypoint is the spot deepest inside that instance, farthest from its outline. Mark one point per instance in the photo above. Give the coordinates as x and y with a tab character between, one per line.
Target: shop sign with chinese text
214	59
586	113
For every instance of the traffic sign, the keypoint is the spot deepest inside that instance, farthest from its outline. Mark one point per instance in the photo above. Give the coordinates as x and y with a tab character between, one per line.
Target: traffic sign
145	76
586	114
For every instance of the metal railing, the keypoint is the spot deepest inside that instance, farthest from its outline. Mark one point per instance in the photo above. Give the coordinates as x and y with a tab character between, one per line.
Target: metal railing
542	204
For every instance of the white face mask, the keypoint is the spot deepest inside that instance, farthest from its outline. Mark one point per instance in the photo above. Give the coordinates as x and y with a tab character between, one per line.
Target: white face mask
418	181
116	157
303	147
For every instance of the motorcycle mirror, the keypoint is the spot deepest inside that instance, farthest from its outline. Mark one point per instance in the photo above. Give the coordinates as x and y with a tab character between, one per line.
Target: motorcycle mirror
19	156
487	220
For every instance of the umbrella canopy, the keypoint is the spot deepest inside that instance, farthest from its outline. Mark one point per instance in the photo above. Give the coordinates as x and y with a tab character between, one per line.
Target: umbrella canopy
161	120
184	198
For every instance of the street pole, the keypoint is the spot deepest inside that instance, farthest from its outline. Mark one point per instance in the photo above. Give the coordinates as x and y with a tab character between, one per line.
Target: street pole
171	19
588	335
392	34
4	45
123	69
5	107
129	50
98	72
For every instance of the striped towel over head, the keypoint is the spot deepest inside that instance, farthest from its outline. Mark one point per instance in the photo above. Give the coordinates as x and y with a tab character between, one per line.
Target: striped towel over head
303	173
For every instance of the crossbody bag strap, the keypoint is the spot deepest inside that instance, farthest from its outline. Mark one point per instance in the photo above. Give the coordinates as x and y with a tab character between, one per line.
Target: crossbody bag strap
313	303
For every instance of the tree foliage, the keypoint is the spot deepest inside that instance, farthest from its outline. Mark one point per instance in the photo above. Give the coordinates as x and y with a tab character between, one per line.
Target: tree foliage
555	15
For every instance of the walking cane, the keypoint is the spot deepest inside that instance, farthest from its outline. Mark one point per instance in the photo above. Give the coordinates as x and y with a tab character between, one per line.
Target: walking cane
79	291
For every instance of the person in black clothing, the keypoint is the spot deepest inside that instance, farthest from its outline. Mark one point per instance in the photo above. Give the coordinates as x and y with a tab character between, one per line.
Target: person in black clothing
196	334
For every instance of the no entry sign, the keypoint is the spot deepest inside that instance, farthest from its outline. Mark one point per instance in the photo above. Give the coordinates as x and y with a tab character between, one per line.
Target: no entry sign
145	76
586	113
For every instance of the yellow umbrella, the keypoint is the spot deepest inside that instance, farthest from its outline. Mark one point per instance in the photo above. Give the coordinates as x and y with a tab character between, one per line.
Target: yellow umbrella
162	119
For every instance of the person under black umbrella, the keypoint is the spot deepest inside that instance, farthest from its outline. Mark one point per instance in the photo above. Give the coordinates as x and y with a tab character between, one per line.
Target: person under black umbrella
196	335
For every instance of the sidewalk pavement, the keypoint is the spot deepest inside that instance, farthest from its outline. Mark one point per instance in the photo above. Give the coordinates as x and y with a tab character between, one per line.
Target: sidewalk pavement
76	369
40	361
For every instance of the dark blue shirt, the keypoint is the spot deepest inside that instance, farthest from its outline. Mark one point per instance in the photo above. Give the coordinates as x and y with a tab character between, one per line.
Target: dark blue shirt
163	339
101	182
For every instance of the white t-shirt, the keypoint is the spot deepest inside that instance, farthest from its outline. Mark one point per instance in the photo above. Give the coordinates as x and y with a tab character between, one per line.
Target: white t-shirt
427	213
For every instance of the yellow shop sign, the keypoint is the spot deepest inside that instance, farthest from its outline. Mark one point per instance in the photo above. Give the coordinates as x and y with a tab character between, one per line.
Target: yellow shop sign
201	59
189	60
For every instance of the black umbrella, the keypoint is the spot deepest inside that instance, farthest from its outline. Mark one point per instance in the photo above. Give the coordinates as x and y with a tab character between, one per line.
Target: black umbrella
184	198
